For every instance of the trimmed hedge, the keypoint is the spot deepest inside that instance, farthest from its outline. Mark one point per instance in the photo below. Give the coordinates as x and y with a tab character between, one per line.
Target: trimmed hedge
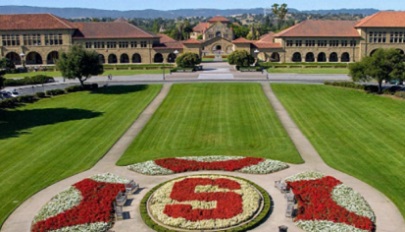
303	65
248	226
34	80
40	95
55	92
346	84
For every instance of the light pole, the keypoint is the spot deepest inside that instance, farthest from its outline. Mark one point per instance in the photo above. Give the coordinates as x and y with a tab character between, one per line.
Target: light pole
22	55
256	52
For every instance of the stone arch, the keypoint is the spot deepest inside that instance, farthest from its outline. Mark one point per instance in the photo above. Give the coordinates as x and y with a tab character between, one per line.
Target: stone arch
52	57
345	57
124	58
275	57
309	57
171	58
34	58
262	56
333	57
321	57
101	58
136	58
158	58
14	57
112	59
372	52
296	57
400	51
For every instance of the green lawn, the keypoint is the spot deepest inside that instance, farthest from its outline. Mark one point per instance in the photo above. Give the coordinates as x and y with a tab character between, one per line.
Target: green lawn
357	133
57	137
309	70
213	119
123	72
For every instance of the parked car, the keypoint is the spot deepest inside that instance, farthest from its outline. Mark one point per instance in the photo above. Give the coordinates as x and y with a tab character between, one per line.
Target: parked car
395	82
8	93
5	94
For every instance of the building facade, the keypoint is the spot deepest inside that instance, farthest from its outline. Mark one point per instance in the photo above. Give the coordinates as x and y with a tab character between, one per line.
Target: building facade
38	39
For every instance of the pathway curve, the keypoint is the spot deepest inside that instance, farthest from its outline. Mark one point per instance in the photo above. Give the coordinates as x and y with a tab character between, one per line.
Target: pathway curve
388	217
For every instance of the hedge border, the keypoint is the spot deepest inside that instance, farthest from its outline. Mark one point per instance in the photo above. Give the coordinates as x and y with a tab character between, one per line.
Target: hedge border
261	217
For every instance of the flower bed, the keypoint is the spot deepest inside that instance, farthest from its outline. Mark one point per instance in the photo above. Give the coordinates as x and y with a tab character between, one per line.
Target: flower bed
202	203
86	206
325	203
168	166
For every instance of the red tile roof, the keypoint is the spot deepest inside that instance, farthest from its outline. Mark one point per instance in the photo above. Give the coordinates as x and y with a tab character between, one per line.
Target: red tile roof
218	19
165	38
241	40
33	22
384	19
269	37
191	41
166	42
266	45
201	27
112	30
321	28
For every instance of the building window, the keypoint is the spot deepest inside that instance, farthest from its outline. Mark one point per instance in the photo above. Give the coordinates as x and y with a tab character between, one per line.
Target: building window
11	40
377	37
144	44
99	45
397	37
289	43
334	43
353	43
344	43
88	44
32	39
322	43
309	43
53	39
298	43
134	44
123	44
111	44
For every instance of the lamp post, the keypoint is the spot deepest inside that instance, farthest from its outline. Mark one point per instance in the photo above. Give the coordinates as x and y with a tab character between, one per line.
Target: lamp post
256	52
22	55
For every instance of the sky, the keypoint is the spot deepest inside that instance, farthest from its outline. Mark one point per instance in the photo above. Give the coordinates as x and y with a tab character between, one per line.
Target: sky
216	4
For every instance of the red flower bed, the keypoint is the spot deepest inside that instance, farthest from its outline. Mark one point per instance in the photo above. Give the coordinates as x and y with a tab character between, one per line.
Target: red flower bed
229	204
96	206
315	203
182	165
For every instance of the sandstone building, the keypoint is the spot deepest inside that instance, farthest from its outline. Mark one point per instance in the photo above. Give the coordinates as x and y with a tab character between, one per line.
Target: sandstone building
38	39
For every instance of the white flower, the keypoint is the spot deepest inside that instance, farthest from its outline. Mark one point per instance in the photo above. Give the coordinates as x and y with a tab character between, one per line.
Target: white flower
309	175
93	227
265	167
149	168
326	226
109	178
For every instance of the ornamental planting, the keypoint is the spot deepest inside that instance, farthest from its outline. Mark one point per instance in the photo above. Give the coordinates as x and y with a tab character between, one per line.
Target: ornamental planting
242	164
86	206
324	203
202	202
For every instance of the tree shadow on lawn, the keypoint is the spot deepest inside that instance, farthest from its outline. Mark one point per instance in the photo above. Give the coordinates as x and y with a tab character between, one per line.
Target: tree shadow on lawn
120	89
14	122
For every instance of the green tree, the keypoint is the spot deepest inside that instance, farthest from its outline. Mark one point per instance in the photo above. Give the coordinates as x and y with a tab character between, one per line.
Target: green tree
2	79
241	58
280	12
188	60
6	64
384	64
79	63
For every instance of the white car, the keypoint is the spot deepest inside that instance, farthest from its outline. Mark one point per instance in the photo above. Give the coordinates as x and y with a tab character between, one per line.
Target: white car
10	93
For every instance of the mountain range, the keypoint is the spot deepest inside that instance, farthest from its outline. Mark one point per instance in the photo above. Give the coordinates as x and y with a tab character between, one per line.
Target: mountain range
169	14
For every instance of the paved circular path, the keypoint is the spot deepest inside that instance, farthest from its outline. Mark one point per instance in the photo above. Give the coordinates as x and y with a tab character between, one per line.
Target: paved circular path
388	216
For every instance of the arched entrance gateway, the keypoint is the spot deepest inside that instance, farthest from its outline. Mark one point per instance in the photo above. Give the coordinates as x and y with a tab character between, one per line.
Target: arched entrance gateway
158	58
52	57
14	57
333	57
124	59
34	58
345	57
321	57
309	57
101	58
275	57
112	59
136	58
296	57
171	58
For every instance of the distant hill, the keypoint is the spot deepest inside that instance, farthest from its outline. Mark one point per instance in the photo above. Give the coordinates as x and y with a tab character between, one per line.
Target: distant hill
84	12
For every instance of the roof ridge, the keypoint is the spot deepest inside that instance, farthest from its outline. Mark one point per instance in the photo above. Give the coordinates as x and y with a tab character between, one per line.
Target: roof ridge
60	20
289	29
147	32
366	19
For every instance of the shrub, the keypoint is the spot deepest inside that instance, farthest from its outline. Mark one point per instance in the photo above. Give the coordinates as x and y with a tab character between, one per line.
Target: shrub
241	58
346	84
93	86
9	103
371	88
27	99
34	80
74	88
400	94
40	95
188	60
55	92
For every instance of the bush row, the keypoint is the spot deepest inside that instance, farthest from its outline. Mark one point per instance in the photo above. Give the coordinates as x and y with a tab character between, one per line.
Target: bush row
301	64
34	80
21	100
347	84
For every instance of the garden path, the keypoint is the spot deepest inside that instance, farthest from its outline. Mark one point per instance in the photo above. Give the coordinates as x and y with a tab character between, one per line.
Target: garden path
388	216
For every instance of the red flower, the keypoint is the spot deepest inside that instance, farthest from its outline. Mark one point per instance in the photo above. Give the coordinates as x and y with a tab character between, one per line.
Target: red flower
315	203
96	206
182	165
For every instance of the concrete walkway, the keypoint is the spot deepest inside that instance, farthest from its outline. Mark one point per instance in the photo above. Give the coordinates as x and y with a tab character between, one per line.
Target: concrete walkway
388	217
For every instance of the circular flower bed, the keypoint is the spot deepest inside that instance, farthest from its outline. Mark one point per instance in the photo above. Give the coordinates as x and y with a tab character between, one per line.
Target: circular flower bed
202	202
325	204
85	206
242	164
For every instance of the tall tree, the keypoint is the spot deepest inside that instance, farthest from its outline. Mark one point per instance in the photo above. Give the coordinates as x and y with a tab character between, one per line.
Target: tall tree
384	64
79	63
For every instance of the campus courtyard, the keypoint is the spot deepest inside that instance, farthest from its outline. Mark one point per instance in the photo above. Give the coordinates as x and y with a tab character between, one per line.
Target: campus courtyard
285	153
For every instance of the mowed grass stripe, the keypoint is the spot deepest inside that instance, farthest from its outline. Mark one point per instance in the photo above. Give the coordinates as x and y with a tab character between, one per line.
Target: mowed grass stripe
213	119
358	133
55	138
